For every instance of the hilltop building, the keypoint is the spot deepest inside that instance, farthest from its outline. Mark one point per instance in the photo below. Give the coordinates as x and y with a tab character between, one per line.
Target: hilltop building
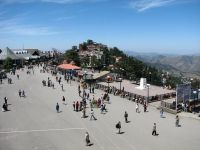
90	49
20	56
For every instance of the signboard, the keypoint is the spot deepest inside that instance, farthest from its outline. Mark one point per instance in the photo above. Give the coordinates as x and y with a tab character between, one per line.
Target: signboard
183	92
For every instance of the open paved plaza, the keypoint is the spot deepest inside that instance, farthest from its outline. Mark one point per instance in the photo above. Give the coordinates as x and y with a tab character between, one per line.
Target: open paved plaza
133	88
33	123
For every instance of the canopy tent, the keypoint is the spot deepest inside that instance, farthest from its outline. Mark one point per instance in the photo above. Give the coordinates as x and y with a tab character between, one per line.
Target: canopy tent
68	67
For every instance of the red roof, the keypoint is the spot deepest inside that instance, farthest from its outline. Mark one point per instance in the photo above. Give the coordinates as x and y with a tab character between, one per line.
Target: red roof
68	67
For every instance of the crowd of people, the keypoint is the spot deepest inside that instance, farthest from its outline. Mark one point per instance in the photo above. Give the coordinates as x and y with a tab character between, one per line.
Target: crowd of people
88	100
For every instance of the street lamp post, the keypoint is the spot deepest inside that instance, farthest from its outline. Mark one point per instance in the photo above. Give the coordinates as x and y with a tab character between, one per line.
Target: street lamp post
198	94
191	81
84	81
148	85
120	82
85	74
194	92
108	81
150	76
163	80
121	72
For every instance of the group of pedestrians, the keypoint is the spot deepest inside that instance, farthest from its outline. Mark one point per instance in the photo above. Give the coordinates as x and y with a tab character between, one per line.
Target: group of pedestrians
58	79
21	93
9	81
118	125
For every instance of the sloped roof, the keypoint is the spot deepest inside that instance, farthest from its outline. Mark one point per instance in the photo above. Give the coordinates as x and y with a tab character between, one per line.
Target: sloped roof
26	56
8	53
68	67
101	74
32	51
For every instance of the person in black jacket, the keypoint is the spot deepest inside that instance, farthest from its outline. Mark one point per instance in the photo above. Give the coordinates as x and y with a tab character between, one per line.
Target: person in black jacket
57	108
118	126
126	117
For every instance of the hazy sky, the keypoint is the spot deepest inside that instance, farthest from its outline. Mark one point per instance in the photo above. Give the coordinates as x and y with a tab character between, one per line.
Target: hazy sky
139	25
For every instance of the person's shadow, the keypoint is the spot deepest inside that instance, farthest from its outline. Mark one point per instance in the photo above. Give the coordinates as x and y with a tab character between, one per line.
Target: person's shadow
85	116
155	134
120	132
90	144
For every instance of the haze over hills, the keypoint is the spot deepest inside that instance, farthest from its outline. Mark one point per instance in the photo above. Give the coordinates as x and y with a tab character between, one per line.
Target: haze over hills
187	65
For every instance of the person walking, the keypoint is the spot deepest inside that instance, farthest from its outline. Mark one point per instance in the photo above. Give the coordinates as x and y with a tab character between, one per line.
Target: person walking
77	106
145	106
6	100
93	89
92	115
87	139
84	112
126	117
91	105
20	93
154	130
57	108
79	87
4	107
23	93
177	121
118	126
79	93
63	99
161	113
137	108
74	105
62	87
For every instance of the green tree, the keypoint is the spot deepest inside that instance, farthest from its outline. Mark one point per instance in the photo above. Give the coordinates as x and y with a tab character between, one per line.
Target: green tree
7	64
89	42
72	55
84	62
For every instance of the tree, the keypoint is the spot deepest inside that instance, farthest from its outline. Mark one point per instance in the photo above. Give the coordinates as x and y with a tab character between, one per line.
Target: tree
72	55
89	42
7	64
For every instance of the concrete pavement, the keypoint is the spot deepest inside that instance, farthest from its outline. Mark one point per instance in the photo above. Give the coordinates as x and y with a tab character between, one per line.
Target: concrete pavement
33	123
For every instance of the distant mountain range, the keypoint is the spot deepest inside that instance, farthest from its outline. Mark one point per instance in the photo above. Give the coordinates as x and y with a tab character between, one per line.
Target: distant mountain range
187	65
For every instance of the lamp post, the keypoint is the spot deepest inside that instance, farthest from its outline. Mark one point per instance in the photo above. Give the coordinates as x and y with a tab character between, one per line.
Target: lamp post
163	80
194	92
191	81
198	94
84	79
121	72
108	81
148	86
85	73
150	76
120	82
